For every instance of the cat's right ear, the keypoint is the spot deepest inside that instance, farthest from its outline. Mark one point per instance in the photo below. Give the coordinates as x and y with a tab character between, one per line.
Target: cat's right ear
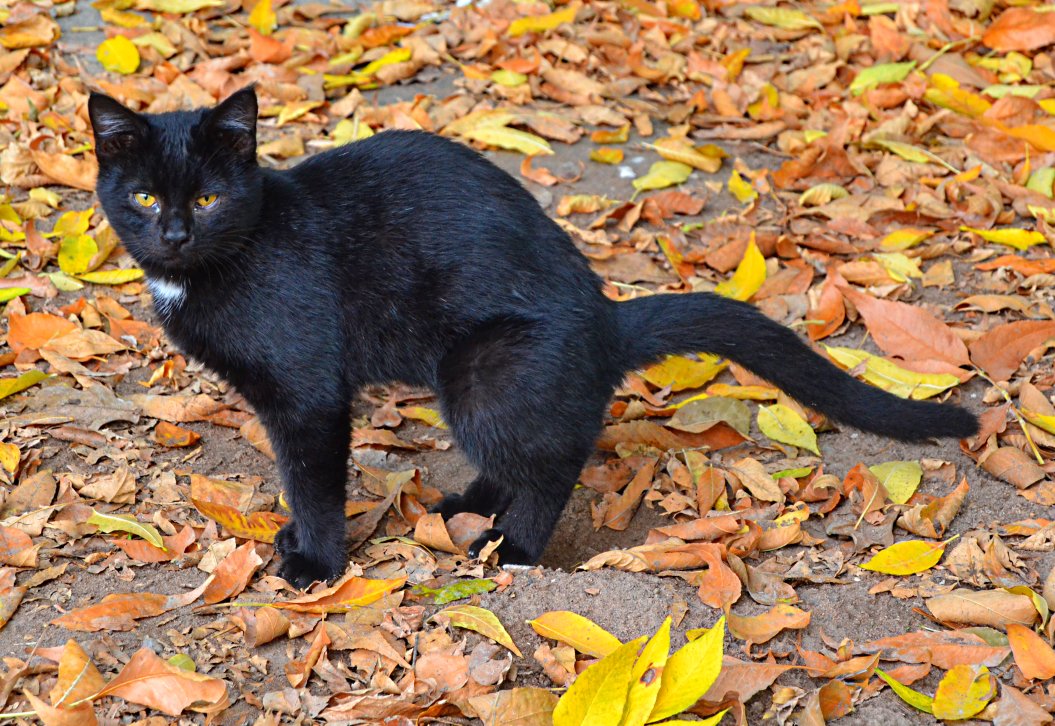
115	127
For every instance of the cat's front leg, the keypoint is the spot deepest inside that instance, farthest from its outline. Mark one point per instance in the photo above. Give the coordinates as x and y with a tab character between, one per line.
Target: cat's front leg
311	446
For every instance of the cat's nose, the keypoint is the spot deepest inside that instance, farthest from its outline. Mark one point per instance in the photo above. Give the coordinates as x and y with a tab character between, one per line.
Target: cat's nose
175	235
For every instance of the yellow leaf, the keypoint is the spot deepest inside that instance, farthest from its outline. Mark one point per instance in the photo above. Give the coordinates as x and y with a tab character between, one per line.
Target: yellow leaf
121	18
512	139
879	74
263	18
680	372
157	41
749	275
10	293
908	152
945	91
348	130
1020	239
126	523
580	633
366	74
646	677
9	457
900	267
76	254
47	196
890	377
690	673
917	700
118	55
10	386
820	194
899	478
782	424
482	621
706	158
663	174
742	190
505	77
902	239
428	416
293	111
1040	420
607	155
543	23
709	721
963	692
783	18
906	558
599	694
180	7
111	277
72	224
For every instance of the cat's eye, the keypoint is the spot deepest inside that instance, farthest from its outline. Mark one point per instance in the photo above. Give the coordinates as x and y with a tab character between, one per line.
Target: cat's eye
205	201
145	200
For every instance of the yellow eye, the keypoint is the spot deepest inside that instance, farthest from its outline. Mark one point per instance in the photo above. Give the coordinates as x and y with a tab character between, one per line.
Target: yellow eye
145	200
205	201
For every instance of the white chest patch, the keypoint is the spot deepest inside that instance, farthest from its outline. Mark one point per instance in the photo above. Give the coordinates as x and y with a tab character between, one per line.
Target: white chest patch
168	295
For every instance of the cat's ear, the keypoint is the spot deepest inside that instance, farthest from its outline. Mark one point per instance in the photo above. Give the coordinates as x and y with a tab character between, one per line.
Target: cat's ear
235	121
115	127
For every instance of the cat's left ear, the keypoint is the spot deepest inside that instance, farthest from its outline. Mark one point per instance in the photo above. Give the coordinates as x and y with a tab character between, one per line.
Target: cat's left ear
235	121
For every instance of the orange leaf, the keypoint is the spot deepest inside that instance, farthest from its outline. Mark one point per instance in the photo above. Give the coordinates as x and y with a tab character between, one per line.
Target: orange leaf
355	592
1020	29
35	330
78	676
233	573
298	671
175	546
1000	351
81	715
1035	657
150	681
259	526
830	311
16	548
174	436
120	611
719	586
761	628
67	170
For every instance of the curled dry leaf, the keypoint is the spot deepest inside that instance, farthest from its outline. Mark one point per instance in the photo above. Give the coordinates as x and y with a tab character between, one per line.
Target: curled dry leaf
149	681
762	628
121	611
996	608
233	573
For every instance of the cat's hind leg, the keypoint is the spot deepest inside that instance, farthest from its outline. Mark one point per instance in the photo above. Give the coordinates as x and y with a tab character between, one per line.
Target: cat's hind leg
526	407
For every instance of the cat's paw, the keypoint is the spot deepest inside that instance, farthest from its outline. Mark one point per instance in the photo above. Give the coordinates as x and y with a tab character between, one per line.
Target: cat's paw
301	571
286	539
509	553
452	504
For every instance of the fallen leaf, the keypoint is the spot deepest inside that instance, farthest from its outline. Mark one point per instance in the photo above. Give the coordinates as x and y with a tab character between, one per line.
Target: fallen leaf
783	424
121	611
150	681
598	695
760	629
963	692
578	632
996	608
233	573
906	558
1001	350
1033	656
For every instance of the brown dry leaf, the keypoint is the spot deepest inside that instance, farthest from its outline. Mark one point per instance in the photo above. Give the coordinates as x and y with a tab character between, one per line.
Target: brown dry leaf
616	511
298	671
515	707
945	649
78	676
16	548
150	681
1013	466
67	170
996	608
1001	350
254	432
718	585
81	344
233	573
830	312
121	611
431	531
261	625
10	594
178	409
762	628
79	715
348	594
745	679
36	31
175	546
933	518
908	331
1016	709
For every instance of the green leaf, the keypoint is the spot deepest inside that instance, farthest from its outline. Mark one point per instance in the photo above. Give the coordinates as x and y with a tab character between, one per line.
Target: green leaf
455	590
64	282
10	293
906	558
783	18
482	621
126	523
879	74
663	174
690	673
509	78
646	677
783	424
599	694
912	697
1042	181
10	386
900	478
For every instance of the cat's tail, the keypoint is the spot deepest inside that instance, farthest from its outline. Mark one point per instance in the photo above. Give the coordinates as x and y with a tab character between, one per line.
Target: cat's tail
658	325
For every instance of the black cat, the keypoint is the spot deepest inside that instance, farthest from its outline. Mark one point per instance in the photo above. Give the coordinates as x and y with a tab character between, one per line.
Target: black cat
410	257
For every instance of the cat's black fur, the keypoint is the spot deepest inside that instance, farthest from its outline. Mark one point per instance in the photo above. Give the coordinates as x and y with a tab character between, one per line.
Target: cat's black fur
409	257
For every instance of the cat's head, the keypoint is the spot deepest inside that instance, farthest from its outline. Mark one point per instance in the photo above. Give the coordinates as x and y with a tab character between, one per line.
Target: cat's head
181	189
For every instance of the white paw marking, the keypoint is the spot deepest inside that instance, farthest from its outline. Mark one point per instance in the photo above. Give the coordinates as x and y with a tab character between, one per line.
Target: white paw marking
519	568
168	295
